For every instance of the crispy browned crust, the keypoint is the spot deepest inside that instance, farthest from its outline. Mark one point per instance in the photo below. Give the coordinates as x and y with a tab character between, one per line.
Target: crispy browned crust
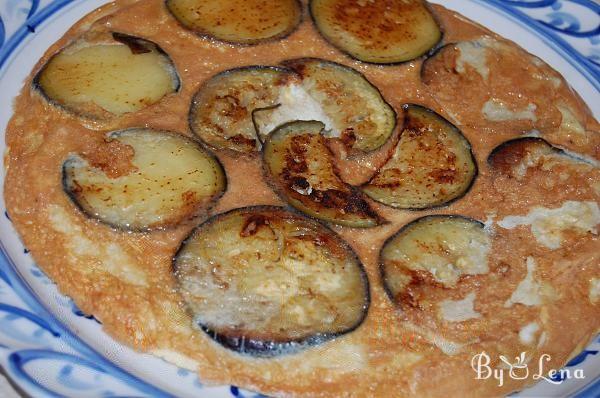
138	304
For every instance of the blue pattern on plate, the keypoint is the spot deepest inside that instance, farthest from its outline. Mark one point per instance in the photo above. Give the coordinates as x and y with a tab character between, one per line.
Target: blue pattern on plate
29	334
558	23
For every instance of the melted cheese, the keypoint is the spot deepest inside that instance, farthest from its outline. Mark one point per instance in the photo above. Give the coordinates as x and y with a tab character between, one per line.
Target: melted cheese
569	122
473	53
459	310
106	257
548	225
495	110
448	347
297	104
528	332
528	292
176	358
343	358
595	290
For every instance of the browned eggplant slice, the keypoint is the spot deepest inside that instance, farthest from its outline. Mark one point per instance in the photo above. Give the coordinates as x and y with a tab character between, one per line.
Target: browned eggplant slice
234	21
301	167
221	111
515	156
351	108
110	77
168	179
264	281
433	250
431	166
383	32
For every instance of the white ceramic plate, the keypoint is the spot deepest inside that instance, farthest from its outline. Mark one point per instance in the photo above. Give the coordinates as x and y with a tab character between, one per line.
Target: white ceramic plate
48	348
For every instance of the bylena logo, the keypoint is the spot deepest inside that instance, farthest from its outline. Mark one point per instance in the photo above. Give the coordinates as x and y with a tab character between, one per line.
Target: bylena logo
520	369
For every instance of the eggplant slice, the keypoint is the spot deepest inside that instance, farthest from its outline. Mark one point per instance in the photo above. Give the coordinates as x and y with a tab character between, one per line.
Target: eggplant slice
110	77
234	21
168	179
431	166
301	168
382	32
432	251
221	111
352	108
264	281
515	156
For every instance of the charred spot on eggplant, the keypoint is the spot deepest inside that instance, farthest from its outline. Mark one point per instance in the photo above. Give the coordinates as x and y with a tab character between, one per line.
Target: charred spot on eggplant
300	166
238	22
351	108
382	32
513	157
145	180
221	111
264	281
431	165
432	251
108	76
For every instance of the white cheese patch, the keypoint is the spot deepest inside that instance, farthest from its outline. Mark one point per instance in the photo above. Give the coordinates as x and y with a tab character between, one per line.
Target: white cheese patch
537	61
595	290
543	339
109	257
548	225
569	122
528	290
495	110
344	358
473	53
297	104
488	224
528	332
176	358
543	75
448	347
459	310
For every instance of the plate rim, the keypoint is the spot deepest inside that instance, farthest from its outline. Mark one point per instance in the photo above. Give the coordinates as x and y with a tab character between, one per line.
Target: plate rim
10	273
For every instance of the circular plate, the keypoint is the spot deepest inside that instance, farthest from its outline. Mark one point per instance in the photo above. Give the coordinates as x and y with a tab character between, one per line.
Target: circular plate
49	348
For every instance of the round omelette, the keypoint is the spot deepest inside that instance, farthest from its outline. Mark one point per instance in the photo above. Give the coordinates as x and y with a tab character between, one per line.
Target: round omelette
312	199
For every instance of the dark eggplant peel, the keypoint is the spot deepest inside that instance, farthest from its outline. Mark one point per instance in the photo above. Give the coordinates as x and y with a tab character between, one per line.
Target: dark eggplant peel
264	281
168	179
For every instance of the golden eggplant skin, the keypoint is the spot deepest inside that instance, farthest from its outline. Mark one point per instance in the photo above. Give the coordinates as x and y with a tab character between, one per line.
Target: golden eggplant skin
264	281
353	109
300	166
381	32
432	164
164	179
432	252
222	109
108	76
238	22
